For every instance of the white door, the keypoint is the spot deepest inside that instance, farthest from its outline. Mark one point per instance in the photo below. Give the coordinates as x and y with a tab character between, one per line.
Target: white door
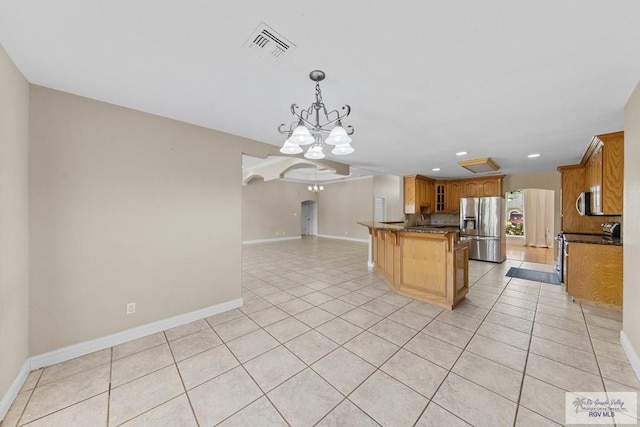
309	218
379	208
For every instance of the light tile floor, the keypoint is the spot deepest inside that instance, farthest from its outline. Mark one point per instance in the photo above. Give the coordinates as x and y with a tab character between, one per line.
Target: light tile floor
320	340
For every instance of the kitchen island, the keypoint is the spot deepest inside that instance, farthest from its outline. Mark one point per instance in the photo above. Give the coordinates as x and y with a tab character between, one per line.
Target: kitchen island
426	263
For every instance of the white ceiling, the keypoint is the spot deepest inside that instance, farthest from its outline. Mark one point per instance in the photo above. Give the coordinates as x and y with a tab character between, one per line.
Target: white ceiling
425	79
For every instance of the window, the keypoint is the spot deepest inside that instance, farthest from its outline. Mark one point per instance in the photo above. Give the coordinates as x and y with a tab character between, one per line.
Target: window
515	213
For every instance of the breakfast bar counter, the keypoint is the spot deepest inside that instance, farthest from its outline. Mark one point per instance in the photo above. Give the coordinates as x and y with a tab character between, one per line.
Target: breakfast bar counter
426	263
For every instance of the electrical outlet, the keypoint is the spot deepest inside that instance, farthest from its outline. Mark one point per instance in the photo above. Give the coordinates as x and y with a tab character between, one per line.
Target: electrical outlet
131	308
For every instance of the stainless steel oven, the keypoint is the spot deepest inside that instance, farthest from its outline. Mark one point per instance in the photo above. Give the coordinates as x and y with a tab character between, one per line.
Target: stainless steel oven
559	266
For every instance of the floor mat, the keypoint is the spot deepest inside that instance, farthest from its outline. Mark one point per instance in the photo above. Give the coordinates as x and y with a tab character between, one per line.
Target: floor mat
535	275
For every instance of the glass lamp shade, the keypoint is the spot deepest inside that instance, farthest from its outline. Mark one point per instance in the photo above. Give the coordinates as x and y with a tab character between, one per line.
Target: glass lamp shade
314	152
301	136
342	150
289	148
316	188
338	136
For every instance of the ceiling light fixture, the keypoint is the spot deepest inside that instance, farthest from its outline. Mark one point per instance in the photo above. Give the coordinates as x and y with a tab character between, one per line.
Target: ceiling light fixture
307	129
531	156
315	188
461	153
436	169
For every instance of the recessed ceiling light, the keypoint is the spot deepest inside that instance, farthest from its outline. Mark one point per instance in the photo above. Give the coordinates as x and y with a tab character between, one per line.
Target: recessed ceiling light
435	169
461	153
531	156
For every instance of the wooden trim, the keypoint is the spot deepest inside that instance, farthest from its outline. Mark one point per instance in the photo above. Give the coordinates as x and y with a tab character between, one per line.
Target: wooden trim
486	162
594	145
568	167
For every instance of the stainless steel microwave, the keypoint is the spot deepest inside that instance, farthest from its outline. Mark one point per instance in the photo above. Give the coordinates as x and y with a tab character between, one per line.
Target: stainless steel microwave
583	203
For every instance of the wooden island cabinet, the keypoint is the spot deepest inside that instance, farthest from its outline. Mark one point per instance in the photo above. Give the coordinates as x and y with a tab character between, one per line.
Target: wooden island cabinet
428	264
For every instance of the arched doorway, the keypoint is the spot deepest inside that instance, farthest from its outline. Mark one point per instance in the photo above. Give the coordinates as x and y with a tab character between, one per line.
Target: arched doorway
309	218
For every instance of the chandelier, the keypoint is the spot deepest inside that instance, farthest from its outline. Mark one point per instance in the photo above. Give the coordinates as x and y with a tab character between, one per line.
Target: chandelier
308	129
315	188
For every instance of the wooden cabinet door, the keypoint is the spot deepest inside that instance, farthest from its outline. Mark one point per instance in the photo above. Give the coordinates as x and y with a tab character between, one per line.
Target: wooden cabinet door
594	272
594	181
426	205
613	173
453	197
440	197
471	189
410	192
489	188
572	185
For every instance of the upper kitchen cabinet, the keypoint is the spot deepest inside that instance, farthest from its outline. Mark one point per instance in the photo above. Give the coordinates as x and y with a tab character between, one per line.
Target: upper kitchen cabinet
418	192
490	186
453	196
443	197
604	163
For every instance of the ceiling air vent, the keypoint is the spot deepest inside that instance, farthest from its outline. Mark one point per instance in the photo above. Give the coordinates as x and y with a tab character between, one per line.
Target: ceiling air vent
269	43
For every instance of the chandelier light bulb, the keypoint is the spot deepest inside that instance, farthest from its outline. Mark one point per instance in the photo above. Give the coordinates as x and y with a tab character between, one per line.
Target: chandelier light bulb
338	136
315	188
342	150
314	152
289	148
301	135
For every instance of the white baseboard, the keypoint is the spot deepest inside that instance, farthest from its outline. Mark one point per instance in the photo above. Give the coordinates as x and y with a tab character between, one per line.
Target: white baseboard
83	348
351	239
275	239
631	353
14	389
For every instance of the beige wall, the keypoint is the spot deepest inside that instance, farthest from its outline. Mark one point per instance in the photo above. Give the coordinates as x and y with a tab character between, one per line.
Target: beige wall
390	187
127	207
14	222
271	210
342	205
543	181
631	226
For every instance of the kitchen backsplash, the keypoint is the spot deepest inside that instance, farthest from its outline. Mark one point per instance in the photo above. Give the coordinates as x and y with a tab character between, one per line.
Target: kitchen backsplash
413	220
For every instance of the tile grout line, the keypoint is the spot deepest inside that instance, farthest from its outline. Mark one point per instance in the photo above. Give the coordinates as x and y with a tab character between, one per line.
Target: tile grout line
184	387
526	361
109	390
241	364
460	355
29	399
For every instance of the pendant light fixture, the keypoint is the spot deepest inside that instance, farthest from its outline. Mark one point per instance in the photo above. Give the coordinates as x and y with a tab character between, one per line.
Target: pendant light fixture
308	129
315	188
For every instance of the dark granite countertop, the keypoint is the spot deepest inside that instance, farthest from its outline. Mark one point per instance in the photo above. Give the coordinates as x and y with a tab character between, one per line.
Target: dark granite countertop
592	239
394	226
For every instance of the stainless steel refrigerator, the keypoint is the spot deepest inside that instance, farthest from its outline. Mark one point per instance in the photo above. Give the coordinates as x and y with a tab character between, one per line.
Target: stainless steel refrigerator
482	222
